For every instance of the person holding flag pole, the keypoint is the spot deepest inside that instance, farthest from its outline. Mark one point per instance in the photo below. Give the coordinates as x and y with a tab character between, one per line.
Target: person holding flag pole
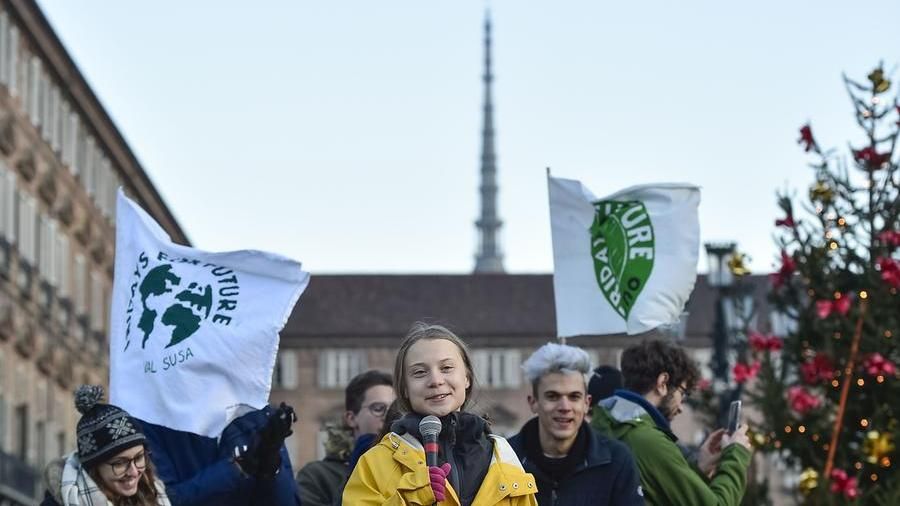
194	338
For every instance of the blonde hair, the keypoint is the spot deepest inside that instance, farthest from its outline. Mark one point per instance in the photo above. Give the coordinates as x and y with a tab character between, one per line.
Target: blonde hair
419	332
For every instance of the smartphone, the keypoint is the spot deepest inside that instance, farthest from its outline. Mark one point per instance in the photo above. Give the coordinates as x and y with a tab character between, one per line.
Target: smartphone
734	416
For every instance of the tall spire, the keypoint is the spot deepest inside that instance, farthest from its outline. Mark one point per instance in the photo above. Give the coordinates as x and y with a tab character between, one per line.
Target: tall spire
488	259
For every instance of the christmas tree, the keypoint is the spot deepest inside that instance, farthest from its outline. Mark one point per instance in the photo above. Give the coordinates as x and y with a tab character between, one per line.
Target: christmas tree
828	391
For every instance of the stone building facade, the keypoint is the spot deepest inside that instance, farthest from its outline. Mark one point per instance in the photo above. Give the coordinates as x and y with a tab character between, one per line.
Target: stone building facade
61	162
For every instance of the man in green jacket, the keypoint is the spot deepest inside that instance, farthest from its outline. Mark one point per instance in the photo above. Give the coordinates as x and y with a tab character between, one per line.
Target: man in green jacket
657	377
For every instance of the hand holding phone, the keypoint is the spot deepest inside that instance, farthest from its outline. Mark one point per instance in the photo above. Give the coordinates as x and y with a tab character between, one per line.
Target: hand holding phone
734	417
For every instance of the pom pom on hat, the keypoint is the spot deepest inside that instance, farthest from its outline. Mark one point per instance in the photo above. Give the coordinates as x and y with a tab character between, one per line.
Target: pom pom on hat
87	396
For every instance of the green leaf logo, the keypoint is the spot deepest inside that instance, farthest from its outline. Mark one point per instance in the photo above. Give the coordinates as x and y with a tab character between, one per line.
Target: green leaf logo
623	248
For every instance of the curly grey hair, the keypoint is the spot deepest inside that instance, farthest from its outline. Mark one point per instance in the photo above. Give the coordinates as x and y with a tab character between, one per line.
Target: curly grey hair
553	357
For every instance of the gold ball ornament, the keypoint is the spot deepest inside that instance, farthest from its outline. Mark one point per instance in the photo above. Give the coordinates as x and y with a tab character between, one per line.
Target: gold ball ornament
809	480
737	266
879	83
821	192
877	445
758	440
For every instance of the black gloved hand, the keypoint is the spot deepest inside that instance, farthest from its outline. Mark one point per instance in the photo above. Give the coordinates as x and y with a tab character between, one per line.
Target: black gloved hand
262	459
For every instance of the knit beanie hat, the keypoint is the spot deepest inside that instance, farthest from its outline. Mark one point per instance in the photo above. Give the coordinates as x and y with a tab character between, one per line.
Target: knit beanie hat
104	430
605	380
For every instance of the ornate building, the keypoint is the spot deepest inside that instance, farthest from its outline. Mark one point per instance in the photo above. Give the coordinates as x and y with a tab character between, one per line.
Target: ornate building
61	161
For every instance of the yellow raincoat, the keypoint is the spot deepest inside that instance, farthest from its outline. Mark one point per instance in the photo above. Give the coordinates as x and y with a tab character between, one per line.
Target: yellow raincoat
393	473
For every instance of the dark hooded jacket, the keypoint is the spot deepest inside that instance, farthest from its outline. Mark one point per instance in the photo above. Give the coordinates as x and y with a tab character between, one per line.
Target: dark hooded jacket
598	471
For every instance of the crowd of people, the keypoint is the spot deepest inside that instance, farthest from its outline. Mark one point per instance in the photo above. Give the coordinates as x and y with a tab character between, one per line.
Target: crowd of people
599	437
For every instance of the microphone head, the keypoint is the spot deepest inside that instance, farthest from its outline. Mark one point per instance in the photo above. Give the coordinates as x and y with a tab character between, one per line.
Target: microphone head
430	426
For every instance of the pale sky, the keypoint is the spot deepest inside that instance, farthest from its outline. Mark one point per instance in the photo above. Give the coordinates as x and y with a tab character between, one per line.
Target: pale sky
346	134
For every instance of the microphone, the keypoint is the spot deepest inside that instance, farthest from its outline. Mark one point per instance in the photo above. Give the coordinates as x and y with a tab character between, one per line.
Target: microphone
429	428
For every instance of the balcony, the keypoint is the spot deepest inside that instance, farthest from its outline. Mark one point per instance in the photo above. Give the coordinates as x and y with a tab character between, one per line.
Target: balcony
18	481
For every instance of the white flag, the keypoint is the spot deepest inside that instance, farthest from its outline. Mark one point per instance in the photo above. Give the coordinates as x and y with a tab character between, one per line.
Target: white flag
623	263
193	334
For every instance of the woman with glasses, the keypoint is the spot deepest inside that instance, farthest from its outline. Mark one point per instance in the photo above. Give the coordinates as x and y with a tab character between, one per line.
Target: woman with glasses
111	466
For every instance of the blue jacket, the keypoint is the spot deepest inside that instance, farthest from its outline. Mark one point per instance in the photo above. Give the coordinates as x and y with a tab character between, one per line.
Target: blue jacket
607	476
200	471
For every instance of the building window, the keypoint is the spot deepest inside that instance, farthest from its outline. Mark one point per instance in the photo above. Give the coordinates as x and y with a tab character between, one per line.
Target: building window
21	436
87	166
498	367
40	434
285	374
3	424
70	146
80	294
114	196
337	367
61	262
98	303
13	63
617	352
104	176
80	149
27	228
44	98
33	102
21	71
55	123
47	250
4	48
7	203
782	324
65	126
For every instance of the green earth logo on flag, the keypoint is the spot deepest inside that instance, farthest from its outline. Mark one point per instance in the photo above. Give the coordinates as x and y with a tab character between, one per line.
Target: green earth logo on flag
623	249
183	315
171	299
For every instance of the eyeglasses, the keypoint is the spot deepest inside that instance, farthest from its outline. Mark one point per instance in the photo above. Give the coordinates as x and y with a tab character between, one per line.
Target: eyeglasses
376	408
685	393
120	466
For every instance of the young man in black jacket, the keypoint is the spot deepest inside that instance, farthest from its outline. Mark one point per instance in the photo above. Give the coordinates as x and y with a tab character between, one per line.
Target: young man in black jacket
573	465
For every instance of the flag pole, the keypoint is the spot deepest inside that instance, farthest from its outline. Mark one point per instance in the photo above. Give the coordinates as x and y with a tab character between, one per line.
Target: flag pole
561	339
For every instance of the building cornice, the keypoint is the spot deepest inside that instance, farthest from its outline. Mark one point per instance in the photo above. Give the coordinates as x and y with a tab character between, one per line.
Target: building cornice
47	44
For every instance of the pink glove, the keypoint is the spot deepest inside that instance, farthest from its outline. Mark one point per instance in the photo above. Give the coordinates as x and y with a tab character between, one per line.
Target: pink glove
438	476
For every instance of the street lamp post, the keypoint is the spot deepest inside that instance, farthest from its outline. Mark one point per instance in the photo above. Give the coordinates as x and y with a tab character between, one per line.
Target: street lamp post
734	313
720	278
